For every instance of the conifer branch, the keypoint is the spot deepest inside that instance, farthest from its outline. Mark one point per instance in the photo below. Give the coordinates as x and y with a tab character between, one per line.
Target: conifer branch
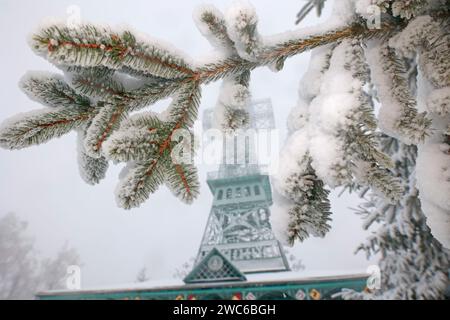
399	115
92	46
94	96
148	140
104	123
310	213
92	170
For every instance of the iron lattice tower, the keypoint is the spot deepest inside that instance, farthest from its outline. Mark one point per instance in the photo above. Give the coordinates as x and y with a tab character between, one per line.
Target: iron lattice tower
238	230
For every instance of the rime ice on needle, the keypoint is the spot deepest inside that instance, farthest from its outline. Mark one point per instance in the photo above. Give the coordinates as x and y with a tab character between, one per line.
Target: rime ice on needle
109	73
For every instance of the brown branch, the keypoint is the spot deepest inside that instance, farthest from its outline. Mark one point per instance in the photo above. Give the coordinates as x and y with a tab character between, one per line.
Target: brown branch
115	116
294	48
82	117
99	87
224	67
166	142
180	172
213	72
64	121
122	53
287	49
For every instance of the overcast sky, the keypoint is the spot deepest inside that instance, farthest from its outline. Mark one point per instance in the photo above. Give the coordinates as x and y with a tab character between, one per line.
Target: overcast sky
41	184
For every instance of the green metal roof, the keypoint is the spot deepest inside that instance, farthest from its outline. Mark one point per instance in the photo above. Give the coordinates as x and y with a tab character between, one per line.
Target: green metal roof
325	286
214	267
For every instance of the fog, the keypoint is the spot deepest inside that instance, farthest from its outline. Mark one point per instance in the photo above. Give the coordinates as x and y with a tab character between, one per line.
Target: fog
41	184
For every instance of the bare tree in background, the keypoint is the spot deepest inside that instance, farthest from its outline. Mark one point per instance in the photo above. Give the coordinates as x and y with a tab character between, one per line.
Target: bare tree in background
184	269
18	264
142	275
54	271
22	272
295	263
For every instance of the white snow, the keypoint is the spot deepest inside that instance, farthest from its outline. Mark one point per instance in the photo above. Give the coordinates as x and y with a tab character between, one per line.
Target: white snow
330	112
280	218
406	42
362	7
34	93
291	157
438	220
298	117
312	79
329	158
341	17
91	170
438	101
232	96
433	162
433	181
241	26
144	44
219	42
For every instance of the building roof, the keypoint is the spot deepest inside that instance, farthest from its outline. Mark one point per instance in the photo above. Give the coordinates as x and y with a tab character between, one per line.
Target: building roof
214	267
276	278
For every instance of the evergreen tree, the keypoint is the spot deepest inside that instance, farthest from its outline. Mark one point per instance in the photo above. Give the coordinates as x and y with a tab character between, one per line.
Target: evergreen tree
413	264
110	74
142	275
23	272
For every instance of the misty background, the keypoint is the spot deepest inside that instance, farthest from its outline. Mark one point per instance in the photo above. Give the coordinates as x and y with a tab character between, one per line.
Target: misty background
42	186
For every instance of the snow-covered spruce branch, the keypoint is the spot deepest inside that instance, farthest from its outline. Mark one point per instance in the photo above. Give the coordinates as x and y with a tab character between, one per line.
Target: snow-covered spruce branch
428	38
413	264
96	95
111	73
66	110
334	121
398	115
333	140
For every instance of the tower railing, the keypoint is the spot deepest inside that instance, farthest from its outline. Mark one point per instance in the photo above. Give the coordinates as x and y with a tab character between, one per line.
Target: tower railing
232	171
